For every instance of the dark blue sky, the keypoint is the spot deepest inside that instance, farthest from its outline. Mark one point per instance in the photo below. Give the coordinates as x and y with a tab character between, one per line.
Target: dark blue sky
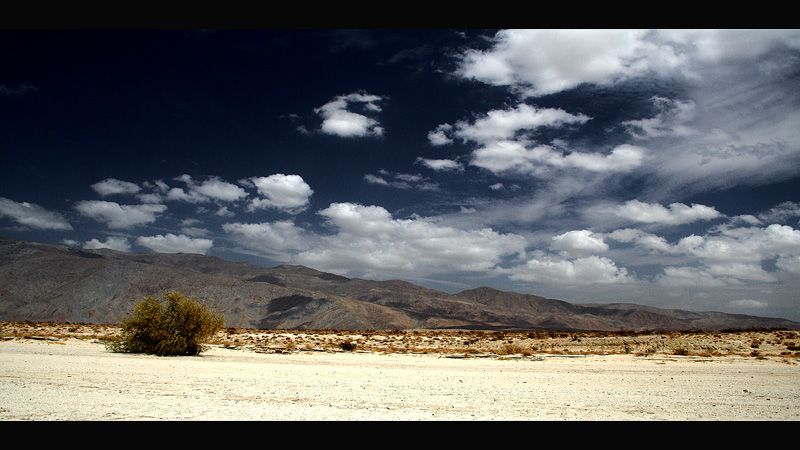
659	167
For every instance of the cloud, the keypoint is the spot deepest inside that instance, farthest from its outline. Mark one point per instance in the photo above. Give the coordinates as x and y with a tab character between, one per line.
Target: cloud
213	188
369	239
119	216
285	192
112	186
505	156
171	243
18	91
439	136
578	243
539	62
32	215
582	271
727	255
672	119
748	303
339	120
112	242
674	214
648	241
440	164
687	277
401	181
505	124
279	239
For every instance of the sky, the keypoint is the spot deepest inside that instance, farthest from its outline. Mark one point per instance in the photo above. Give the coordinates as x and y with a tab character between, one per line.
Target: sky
657	167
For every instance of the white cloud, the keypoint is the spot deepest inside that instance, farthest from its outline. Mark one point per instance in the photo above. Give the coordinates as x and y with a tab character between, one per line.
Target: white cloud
674	214
119	216
439	136
112	242
280	239
539	62
32	215
578	243
507	124
641	239
748	303
112	186
687	277
402	181
728	255
285	192
171	243
339	120
440	164
213	188
503	156
368	240
671	120
565	272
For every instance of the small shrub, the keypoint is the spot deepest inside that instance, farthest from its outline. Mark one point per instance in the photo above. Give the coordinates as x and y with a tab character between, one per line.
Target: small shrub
173	325
347	346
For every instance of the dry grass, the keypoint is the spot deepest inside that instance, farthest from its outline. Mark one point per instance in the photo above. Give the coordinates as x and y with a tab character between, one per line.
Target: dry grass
784	344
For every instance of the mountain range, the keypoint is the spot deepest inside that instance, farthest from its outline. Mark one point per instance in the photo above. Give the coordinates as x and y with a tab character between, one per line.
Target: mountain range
53	283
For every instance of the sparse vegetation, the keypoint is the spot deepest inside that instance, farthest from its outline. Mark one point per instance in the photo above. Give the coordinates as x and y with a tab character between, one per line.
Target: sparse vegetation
462	343
171	326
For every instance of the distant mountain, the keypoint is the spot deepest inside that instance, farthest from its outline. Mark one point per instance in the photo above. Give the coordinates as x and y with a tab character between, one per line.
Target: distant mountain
52	283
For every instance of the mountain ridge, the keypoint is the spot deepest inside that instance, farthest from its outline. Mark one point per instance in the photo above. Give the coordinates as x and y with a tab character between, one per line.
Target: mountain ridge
53	283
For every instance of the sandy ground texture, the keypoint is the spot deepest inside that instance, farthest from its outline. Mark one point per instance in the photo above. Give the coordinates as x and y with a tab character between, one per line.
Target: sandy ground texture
66	373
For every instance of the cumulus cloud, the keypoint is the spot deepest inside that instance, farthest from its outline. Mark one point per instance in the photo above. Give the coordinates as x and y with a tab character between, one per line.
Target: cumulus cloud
440	164
369	238
171	243
725	256
687	277
504	156
509	123
674	214
119	216
539	62
112	242
212	189
578	243
338	118
582	271
32	215
279	239
285	192
642	239
112	186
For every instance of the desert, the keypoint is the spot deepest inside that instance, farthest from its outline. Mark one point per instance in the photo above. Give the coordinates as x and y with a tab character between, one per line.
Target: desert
64	372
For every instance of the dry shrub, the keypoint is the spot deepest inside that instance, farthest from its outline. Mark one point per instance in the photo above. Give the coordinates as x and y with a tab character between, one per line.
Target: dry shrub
170	326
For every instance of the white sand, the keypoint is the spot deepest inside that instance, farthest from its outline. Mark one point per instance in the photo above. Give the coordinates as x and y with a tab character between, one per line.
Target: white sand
80	380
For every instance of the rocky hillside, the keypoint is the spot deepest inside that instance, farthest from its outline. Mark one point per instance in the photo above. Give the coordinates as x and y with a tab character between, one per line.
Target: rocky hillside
51	283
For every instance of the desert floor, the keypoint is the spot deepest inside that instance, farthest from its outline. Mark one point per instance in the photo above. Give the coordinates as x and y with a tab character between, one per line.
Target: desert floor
64	372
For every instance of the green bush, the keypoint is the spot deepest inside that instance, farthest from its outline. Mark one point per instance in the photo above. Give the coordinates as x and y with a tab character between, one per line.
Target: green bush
173	325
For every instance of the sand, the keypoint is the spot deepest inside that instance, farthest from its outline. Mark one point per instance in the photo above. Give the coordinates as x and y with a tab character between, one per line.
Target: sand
69	378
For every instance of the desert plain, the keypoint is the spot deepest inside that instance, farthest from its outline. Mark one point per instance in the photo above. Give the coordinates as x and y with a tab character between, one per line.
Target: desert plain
64	372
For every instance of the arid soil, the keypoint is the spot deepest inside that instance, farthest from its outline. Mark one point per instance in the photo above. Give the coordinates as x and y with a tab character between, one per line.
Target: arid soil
64	372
